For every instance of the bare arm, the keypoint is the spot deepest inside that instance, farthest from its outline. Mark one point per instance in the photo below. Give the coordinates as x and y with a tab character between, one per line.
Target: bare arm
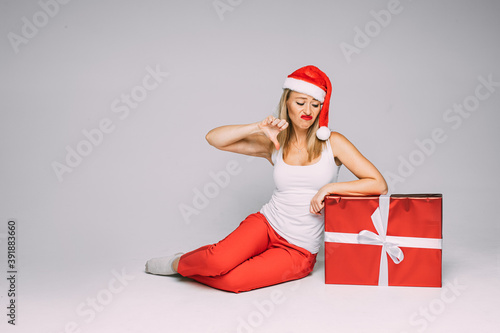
254	139
370	179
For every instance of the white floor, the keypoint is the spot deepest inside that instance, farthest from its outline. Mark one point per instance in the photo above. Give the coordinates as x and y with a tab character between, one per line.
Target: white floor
120	297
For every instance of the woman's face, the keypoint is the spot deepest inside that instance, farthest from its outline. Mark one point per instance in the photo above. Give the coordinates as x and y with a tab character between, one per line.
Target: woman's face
302	109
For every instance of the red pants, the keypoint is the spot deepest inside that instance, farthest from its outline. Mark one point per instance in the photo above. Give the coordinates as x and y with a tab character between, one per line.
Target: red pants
252	256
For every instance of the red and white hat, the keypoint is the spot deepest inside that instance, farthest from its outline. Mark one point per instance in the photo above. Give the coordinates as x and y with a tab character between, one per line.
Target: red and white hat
310	80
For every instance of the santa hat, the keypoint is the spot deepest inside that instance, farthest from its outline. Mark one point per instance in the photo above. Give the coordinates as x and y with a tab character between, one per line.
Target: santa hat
310	80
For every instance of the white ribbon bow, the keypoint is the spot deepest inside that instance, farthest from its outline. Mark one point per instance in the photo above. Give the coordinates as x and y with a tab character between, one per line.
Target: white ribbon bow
380	218
390	244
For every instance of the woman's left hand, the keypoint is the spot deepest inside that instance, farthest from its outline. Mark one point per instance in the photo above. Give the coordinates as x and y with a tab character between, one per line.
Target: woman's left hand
318	201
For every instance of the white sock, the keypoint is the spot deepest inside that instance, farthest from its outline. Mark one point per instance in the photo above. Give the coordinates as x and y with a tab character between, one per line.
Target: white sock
163	265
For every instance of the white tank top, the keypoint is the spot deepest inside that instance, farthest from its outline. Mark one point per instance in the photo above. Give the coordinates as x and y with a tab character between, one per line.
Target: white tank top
288	210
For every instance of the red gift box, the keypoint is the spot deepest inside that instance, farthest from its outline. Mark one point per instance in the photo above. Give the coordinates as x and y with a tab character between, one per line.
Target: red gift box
383	240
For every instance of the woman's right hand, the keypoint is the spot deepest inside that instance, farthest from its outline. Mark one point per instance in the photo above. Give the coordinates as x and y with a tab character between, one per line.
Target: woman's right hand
271	127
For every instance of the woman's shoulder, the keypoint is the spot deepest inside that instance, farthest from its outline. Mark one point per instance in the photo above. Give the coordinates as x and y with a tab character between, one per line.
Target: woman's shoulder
337	138
340	145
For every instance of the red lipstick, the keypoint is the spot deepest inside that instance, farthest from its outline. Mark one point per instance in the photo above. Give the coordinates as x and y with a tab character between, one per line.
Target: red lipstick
306	117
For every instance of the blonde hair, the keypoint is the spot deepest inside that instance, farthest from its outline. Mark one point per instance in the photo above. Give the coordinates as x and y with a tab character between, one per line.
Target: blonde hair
313	144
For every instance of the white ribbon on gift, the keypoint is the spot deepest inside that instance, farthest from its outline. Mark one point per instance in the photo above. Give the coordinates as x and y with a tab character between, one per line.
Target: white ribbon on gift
390	244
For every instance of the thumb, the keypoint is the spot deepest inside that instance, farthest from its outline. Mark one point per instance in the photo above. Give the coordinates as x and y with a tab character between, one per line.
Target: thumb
276	143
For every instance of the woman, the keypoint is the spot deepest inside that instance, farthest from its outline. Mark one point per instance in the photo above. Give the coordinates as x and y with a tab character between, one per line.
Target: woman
280	243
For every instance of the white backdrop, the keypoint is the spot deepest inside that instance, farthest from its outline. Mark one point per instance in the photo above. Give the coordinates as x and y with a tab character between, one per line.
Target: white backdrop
104	107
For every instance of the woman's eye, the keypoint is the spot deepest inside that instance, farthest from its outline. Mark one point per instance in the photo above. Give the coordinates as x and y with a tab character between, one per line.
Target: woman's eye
299	103
315	105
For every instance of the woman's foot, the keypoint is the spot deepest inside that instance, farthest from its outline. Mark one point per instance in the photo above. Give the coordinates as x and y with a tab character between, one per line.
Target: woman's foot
163	265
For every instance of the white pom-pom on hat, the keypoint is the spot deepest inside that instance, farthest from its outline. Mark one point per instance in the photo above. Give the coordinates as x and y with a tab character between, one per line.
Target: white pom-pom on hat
312	81
323	133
